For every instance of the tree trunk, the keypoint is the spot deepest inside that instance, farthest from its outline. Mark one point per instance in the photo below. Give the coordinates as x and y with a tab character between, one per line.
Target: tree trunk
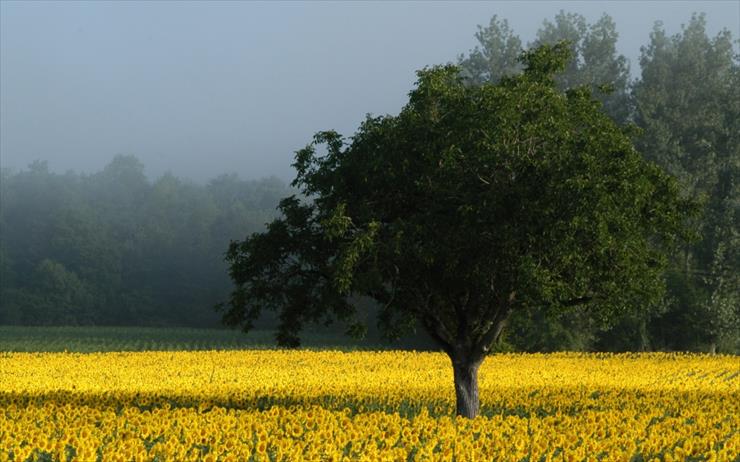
466	386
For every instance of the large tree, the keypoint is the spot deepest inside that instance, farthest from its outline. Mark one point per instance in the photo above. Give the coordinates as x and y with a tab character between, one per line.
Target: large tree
472	203
594	63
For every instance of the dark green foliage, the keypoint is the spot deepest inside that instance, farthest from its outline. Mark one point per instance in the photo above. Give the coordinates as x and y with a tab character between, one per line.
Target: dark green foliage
542	330
688	106
116	248
473	203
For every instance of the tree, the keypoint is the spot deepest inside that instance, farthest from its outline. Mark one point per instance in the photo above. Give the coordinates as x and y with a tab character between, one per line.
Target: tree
594	59
688	106
595	62
496	55
473	202
115	248
64	298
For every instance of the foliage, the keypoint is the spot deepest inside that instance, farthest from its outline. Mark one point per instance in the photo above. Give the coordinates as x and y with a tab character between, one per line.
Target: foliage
472	203
689	109
496	56
543	330
595	64
247	405
594	61
116	248
687	105
137	251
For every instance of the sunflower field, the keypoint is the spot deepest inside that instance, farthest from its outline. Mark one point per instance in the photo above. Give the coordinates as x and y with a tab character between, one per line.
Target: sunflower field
373	406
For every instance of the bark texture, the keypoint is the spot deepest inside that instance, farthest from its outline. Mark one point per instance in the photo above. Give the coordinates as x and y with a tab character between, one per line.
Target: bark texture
466	386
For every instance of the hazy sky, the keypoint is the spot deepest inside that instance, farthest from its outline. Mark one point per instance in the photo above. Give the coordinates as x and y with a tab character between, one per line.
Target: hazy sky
200	89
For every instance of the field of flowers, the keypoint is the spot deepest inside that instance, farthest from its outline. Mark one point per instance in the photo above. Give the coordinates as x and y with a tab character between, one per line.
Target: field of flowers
395	406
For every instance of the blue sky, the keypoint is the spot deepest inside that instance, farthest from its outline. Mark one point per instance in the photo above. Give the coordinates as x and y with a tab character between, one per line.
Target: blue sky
203	88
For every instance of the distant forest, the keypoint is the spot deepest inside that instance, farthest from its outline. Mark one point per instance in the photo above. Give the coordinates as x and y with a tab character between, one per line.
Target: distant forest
115	248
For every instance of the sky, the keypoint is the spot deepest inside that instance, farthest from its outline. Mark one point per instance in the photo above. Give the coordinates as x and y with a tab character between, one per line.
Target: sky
204	88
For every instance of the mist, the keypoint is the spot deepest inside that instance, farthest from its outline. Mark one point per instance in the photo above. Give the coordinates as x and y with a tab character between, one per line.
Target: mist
200	89
144	145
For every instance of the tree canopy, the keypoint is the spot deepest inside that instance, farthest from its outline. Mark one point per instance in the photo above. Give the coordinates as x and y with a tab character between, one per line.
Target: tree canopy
470	204
686	104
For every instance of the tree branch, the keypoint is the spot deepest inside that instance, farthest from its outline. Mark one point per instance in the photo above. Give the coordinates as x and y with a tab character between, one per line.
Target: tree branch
483	346
434	329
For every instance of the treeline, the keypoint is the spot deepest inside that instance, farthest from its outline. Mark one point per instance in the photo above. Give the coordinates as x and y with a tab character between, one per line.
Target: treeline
114	248
686	107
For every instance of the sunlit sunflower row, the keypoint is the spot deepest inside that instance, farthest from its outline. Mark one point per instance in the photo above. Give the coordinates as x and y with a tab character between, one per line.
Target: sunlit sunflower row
301	405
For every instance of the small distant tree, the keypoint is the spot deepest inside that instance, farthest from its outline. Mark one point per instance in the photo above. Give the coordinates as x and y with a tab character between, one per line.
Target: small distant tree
472	203
496	55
